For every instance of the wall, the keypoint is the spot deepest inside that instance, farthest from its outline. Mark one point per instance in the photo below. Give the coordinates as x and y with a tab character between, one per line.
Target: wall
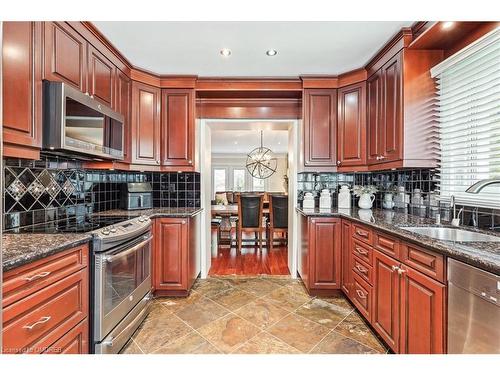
53	189
275	183
423	179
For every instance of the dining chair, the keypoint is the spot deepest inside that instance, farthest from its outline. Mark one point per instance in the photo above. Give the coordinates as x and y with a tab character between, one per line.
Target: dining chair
250	211
278	218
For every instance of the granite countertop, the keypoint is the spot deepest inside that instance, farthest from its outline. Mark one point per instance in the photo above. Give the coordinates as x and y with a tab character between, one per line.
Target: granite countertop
484	255
153	212
21	249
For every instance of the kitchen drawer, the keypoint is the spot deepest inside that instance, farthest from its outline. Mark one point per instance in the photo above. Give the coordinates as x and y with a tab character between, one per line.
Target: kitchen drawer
423	260
362	251
386	244
25	280
76	341
362	295
362	233
34	323
362	269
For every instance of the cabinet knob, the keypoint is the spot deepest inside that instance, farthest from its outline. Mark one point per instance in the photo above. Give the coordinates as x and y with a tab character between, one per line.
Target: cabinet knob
382	157
339	162
395	268
190	162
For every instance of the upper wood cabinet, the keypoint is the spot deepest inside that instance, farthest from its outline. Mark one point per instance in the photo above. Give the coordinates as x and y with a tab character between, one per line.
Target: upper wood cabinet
145	133
65	55
320	127
22	89
102	75
123	106
374	117
177	130
351	149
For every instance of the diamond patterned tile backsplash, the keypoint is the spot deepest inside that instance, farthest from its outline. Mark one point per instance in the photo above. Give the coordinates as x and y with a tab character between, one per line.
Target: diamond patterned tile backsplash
54	189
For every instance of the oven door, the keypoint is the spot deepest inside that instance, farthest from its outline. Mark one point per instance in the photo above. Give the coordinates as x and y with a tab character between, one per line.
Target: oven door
122	279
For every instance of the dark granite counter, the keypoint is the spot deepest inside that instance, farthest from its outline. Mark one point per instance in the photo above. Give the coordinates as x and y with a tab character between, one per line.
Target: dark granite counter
21	249
484	255
153	212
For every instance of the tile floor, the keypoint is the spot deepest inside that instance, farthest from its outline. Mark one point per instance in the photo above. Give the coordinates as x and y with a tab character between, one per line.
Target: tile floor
253	315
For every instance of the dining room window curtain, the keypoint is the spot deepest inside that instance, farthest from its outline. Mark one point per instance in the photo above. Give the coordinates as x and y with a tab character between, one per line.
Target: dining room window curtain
468	93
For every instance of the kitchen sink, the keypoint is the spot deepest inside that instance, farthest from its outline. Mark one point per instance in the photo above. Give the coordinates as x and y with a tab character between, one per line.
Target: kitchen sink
452	234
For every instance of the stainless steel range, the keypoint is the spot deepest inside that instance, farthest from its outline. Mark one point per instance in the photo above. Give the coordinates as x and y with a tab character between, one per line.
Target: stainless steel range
121	282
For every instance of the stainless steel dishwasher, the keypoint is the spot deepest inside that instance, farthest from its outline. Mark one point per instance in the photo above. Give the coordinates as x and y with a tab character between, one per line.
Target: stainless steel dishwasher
473	310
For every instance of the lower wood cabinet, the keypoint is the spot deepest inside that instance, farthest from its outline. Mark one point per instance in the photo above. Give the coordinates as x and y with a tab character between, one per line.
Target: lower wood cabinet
176	261
321	254
346	282
46	305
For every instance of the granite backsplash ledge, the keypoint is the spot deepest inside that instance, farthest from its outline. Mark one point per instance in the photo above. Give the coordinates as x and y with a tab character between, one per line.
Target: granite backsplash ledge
53	189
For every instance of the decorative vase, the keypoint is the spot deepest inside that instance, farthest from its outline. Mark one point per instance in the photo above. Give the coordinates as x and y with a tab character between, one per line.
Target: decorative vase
366	201
388	203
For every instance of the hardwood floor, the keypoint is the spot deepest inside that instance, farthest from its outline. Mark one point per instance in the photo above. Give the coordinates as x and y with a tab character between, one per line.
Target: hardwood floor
251	261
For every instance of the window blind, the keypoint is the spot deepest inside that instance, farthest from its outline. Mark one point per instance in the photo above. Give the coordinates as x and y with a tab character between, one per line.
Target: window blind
468	89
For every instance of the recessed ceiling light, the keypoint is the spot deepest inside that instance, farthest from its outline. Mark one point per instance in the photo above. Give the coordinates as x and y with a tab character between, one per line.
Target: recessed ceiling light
448	24
235	142
225	52
271	52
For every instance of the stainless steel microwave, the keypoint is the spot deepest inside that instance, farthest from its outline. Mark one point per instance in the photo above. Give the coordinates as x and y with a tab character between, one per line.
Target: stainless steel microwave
76	123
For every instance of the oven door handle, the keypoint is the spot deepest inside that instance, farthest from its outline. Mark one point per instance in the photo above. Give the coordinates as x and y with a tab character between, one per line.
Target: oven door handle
111	258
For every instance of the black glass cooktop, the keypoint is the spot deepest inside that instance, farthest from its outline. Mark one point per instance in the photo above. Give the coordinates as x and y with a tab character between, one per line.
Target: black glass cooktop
73	225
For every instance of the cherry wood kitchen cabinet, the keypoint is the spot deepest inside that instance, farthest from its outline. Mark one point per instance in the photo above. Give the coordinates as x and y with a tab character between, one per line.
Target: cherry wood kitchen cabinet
145	133
175	256
321	249
374	117
101	77
65	55
423	311
351	149
346	282
123	106
45	304
177	130
320	128
22	89
386	299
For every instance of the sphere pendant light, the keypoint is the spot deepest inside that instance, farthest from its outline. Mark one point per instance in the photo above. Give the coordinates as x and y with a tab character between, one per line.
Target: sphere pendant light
261	162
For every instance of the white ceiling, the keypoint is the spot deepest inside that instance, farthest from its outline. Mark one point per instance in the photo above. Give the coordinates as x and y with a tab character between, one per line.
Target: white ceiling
241	142
303	47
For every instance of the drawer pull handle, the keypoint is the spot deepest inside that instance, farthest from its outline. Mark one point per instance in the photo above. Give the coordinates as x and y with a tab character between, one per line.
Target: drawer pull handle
401	271
361	233
360	294
43	319
361	268
38	276
361	251
395	268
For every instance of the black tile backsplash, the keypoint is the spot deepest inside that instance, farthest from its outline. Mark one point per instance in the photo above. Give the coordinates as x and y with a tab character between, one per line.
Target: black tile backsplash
423	179
53	189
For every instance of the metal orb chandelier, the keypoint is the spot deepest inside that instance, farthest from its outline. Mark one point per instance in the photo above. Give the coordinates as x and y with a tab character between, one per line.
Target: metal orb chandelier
261	162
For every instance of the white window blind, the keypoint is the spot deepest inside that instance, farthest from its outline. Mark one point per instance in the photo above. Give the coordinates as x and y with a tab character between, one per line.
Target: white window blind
468	88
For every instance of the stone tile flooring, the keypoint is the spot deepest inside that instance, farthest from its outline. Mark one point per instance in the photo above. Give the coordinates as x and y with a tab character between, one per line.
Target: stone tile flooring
253	315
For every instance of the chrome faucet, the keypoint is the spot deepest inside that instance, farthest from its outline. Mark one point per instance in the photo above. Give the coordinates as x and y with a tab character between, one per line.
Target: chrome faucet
480	185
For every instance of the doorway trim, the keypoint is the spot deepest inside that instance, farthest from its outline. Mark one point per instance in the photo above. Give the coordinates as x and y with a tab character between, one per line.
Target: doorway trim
204	150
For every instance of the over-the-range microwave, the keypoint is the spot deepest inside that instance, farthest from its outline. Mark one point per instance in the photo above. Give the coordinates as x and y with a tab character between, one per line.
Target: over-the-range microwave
75	123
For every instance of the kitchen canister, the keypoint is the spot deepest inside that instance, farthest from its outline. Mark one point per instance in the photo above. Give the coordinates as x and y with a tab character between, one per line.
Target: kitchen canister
325	200
344	197
308	202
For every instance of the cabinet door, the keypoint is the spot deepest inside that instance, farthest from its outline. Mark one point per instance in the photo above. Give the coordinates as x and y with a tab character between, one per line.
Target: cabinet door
65	55
374	119
346	257
392	142
22	89
177	135
386	302
123	100
325	253
76	341
145	124
352	125
422	315
320	127
102	75
170	254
